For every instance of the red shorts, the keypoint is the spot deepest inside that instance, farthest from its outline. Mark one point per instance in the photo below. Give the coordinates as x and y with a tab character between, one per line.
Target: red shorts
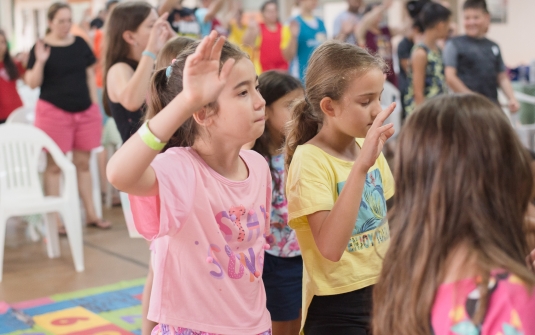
71	131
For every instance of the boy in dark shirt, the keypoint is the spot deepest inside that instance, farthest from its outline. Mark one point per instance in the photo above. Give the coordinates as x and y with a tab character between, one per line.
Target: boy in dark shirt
473	62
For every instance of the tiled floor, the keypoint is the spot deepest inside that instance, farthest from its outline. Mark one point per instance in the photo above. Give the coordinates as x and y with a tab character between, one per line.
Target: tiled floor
110	256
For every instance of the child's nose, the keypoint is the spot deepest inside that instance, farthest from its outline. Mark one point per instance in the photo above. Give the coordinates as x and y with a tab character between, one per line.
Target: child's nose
376	108
259	102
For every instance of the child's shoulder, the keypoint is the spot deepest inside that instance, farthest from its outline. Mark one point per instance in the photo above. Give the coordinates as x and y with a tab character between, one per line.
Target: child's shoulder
252	157
309	152
175	157
174	153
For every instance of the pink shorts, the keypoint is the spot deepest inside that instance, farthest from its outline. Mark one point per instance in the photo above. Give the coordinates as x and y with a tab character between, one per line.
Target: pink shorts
71	131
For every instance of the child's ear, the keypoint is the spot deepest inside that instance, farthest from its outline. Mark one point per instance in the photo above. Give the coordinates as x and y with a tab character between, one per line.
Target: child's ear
202	117
327	106
129	38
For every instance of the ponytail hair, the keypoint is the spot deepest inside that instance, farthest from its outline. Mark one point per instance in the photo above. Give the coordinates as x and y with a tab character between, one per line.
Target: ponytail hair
164	88
331	68
303	126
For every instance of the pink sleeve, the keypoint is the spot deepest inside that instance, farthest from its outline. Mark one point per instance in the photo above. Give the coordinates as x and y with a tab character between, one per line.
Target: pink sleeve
166	213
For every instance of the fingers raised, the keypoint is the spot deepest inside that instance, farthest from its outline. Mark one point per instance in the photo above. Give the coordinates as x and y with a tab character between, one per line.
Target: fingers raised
202	48
225	71
217	48
381	117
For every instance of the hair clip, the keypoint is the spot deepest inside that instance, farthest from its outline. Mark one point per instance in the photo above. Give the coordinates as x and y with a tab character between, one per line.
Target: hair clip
168	71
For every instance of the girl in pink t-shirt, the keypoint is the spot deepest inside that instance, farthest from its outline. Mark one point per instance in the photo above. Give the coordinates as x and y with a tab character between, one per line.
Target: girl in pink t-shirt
205	201
457	259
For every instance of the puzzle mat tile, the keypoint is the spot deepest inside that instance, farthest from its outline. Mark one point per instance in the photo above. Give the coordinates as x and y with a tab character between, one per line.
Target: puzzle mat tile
107	310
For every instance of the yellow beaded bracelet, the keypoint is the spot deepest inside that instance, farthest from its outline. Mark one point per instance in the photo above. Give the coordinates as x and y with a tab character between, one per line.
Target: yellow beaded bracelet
149	139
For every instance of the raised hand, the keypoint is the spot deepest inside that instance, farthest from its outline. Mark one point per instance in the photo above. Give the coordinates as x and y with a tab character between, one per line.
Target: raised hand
160	33
375	139
42	51
514	106
202	80
253	25
295	28
348	26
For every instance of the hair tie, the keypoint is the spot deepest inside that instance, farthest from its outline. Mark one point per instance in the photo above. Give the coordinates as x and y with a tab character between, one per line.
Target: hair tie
168	71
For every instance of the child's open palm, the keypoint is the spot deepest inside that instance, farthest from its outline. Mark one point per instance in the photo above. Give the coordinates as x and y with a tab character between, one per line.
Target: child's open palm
377	136
202	80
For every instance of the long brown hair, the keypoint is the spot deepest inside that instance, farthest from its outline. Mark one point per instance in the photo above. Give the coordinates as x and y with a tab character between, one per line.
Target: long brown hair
332	66
9	64
462	179
163	89
126	16
53	10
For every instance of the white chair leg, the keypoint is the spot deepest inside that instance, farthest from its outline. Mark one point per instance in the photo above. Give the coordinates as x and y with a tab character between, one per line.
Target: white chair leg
73	226
52	238
95	181
109	187
3	226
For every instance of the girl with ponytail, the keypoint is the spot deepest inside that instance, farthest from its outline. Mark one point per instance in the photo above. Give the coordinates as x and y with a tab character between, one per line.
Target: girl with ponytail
337	186
204	200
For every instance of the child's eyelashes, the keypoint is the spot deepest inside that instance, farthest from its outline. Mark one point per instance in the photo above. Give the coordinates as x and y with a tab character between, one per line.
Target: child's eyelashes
257	88
243	93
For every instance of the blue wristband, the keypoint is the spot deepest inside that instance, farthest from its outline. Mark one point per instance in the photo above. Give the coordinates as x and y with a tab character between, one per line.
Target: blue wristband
148	53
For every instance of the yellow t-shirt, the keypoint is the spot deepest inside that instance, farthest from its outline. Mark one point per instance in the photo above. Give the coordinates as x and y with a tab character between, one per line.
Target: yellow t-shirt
314	181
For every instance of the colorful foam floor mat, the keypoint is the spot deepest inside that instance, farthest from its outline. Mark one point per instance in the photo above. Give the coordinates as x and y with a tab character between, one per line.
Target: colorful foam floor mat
108	310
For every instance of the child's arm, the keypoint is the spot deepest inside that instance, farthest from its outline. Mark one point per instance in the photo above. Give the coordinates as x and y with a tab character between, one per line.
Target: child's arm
419	64
454	82
507	88
332	229
291	49
129	169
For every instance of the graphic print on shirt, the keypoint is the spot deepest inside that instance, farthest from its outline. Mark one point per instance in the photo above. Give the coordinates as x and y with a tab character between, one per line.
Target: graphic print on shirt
283	240
236	260
236	213
371	220
462	316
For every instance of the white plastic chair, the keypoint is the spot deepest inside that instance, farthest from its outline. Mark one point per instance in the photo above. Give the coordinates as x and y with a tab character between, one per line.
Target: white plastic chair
526	132
21	192
26	115
391	94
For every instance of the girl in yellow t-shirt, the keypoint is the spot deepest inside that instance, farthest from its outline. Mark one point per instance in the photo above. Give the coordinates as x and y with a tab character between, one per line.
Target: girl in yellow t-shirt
337	187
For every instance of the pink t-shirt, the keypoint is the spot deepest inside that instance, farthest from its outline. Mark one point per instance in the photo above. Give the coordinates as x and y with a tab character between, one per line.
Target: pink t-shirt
209	250
511	309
